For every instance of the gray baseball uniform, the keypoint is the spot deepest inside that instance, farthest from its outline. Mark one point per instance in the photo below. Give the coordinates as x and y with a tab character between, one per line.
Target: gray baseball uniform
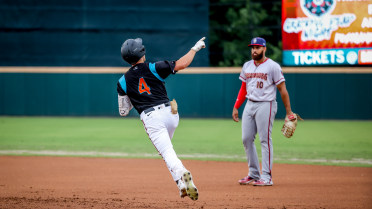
259	113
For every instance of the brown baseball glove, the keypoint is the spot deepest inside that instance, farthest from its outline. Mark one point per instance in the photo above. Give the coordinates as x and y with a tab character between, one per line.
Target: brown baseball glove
174	106
290	124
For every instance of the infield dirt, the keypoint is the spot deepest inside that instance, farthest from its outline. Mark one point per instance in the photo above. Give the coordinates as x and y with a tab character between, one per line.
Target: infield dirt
69	182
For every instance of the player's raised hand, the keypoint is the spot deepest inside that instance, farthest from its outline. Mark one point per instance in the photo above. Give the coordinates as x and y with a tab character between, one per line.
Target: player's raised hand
199	45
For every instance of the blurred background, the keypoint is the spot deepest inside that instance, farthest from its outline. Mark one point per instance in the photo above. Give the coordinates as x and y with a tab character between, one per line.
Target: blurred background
62	58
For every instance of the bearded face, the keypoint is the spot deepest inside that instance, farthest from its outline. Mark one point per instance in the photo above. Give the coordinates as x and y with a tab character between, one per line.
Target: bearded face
257	53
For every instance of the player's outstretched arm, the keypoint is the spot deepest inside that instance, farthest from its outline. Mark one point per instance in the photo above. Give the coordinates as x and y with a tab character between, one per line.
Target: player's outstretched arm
186	60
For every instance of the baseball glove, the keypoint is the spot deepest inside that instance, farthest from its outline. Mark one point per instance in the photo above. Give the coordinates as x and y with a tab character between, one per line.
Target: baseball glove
174	106
290	124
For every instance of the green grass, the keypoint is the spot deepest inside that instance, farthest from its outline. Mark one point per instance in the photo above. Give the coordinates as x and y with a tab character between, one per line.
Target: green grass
315	142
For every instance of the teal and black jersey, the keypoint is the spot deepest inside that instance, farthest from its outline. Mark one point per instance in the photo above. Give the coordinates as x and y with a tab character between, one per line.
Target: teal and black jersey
144	84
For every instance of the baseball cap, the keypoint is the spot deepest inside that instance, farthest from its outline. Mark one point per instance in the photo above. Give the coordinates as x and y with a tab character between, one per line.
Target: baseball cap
258	41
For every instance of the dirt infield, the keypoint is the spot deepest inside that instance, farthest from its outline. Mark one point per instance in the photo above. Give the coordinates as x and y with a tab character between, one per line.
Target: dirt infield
67	182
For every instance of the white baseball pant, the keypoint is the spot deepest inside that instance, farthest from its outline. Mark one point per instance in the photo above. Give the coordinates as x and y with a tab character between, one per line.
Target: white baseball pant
160	125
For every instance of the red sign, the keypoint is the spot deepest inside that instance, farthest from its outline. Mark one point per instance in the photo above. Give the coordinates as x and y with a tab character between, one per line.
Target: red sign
326	24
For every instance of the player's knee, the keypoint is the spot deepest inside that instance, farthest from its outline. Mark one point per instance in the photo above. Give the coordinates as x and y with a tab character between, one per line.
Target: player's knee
247	141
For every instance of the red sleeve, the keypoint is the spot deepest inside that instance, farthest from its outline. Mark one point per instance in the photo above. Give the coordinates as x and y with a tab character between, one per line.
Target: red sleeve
241	95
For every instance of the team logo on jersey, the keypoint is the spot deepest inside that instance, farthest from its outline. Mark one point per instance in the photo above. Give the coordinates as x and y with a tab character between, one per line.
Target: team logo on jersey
262	76
317	8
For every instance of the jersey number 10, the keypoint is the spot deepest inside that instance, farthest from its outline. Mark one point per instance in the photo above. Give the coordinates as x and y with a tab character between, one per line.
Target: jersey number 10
143	87
259	84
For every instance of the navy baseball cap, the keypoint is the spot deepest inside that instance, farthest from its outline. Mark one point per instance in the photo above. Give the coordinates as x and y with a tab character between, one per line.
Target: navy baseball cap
258	41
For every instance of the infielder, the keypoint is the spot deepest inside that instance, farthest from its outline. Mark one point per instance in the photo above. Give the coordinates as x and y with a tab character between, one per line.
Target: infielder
142	87
260	78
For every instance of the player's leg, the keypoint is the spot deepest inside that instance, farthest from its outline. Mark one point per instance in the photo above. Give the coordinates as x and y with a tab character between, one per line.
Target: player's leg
265	118
186	183
249	131
169	122
156	127
163	144
172	121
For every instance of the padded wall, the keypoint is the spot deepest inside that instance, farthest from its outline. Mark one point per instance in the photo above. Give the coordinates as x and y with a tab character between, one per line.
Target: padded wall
314	96
90	32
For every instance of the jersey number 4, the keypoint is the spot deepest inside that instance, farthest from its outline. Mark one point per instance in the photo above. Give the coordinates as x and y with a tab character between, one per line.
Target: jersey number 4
143	87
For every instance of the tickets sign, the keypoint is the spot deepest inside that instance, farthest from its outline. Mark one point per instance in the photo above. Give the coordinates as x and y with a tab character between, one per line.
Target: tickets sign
327	32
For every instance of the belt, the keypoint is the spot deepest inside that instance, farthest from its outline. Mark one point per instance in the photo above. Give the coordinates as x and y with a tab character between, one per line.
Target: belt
158	107
253	100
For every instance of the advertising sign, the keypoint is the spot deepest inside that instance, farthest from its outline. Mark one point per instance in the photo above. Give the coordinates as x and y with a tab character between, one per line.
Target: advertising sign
327	32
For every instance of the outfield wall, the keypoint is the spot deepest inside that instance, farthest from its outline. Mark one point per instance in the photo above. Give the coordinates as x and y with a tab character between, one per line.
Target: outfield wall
200	92
90	33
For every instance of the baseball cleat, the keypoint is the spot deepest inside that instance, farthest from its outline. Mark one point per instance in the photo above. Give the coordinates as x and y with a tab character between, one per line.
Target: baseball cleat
246	180
191	189
262	182
182	187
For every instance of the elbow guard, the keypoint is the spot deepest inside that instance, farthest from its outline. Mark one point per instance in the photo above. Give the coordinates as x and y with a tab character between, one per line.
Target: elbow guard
124	105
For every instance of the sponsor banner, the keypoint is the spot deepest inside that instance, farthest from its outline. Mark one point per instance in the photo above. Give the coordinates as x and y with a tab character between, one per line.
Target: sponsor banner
328	57
327	26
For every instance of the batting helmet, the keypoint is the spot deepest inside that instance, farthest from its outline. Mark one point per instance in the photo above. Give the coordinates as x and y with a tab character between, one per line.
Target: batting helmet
132	50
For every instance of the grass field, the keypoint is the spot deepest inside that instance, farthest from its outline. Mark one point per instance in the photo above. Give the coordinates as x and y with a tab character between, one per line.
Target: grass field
346	143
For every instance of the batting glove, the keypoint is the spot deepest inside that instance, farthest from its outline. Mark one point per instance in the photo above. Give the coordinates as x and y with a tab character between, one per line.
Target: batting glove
199	45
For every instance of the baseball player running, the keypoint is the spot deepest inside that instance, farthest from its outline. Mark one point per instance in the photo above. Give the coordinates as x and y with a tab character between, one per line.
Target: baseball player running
260	78
142	87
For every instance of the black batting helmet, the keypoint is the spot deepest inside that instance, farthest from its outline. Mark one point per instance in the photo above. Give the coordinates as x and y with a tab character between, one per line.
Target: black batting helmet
132	50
